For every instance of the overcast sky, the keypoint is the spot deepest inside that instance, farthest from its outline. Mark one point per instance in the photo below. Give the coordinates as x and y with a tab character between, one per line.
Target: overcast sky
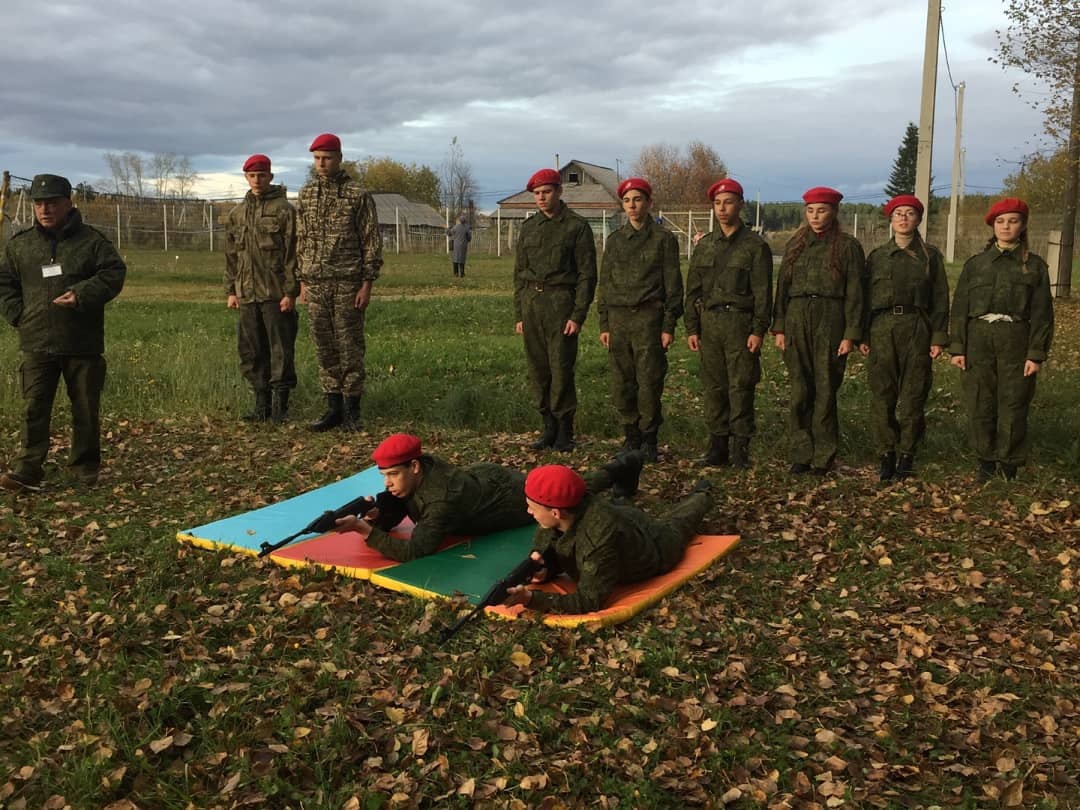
790	94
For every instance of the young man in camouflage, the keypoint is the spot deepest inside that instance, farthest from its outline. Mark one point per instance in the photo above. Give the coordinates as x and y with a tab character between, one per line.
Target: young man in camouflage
597	543
728	309
639	301
554	280
339	255
444	500
260	282
55	279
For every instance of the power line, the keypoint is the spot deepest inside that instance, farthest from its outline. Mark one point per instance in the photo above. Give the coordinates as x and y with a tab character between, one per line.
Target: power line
945	48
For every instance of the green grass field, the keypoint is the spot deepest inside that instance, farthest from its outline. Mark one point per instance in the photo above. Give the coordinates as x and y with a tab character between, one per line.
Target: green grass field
910	646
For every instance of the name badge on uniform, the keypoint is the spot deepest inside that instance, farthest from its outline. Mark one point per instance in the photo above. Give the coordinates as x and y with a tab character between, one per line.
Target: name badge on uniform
51	270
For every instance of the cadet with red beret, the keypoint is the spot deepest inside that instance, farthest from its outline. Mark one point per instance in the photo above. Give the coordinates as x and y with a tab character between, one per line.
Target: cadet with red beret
597	543
442	499
905	329
260	282
728	308
554	281
639	301
817	319
340	254
1002	325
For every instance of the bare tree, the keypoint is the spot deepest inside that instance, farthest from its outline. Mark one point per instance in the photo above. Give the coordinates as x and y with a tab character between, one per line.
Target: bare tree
162	167
185	177
677	176
458	185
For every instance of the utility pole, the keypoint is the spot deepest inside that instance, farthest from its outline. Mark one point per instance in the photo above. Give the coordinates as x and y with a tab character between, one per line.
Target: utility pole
1072	190
954	201
925	157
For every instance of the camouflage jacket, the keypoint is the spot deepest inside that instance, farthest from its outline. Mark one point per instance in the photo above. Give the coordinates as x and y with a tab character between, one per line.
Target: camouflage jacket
450	500
997	282
641	267
89	266
337	231
900	277
260	248
730	271
810	277
556	251
608	545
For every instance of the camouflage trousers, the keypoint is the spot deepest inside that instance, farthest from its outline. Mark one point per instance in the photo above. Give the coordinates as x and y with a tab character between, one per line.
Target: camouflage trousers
266	339
729	372
997	392
337	329
549	353
899	372
674	529
84	377
638	364
815	327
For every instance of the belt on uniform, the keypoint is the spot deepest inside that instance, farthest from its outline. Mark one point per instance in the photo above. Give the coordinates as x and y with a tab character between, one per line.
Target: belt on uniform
539	286
645	306
897	310
728	308
815	295
996	317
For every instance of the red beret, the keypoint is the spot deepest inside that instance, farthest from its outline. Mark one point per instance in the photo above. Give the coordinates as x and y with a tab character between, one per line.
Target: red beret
544	177
326	143
632	183
728	185
903	199
1010	205
822	194
257	163
396	449
555	486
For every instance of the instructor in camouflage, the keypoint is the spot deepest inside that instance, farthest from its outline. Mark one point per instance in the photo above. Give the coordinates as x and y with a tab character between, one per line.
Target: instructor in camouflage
260	282
728	308
1002	327
817	320
906	329
444	500
55	279
597	543
554	281
339	257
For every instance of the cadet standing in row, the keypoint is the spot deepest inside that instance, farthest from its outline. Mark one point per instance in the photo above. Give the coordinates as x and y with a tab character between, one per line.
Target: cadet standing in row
340	254
817	320
728	308
1002	326
905	329
260	282
55	279
554	281
639	301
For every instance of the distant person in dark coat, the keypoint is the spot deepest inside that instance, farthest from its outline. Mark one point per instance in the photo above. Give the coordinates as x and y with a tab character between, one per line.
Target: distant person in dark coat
460	236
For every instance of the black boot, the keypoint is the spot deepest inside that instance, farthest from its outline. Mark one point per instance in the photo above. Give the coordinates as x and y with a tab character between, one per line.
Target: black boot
547	438
648	447
986	471
888	466
564	434
1009	471
351	419
717	455
335	406
905	465
740	452
625	472
279	408
261	411
633	437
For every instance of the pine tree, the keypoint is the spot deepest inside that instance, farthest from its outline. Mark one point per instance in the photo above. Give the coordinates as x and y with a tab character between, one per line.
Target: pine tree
902	179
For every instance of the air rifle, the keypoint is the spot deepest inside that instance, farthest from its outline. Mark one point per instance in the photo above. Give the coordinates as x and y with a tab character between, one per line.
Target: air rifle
324	522
496	595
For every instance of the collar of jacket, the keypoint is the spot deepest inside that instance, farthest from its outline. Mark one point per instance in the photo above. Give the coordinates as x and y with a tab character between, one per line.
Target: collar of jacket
272	193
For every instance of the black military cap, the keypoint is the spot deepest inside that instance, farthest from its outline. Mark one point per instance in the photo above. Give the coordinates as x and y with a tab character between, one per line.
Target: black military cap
47	186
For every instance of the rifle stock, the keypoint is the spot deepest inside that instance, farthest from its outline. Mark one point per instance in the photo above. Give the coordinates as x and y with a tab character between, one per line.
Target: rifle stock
324	522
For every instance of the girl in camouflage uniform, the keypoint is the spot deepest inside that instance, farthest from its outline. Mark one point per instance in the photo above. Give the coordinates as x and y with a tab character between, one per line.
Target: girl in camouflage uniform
1002	326
817	318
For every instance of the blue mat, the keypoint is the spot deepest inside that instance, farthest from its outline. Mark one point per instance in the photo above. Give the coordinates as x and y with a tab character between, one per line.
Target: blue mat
248	531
